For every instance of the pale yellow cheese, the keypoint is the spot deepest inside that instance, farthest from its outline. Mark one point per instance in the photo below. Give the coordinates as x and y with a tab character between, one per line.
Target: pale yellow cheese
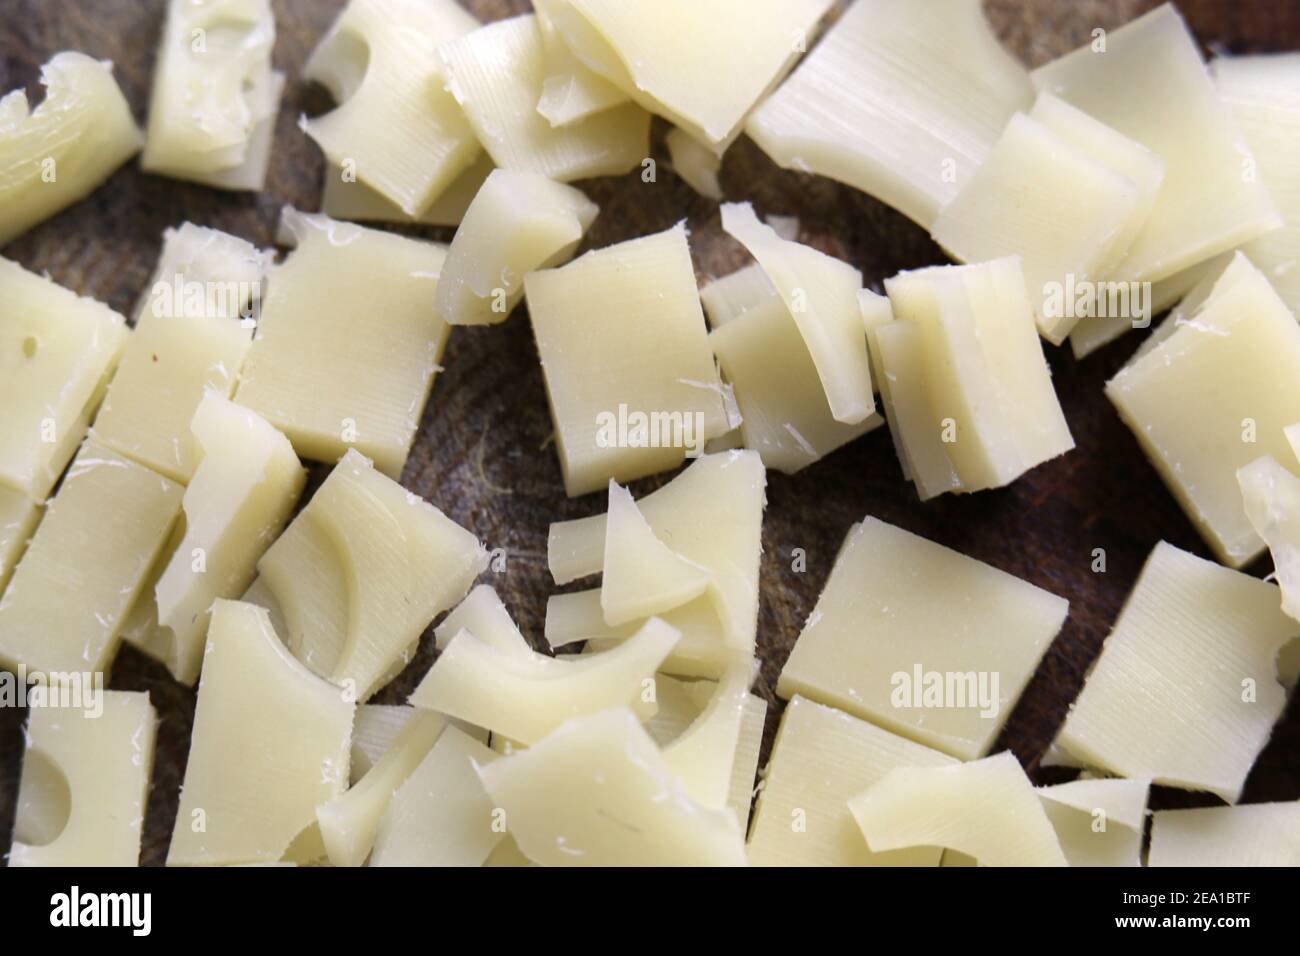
1151	85
986	809
346	197
441	815
57	353
1185	692
597	792
215	97
189	339
269	745
821	758
901	100
571	91
695	163
730	296
484	615
68	599
744	766
396	129
19	516
507	853
1260	834
339	363
67	146
374	730
1214	395
518	222
1271	495
85	780
632	384
1098	822
677	705
942	665
703	756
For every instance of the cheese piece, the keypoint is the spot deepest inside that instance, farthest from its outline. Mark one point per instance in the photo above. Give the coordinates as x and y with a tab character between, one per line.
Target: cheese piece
215	97
1261	834
678	703
346	197
374	730
507	853
19	516
269	745
571	91
696	164
57	353
518	222
497	75
396	129
986	377
821	758
642	575
875	311
901	100
631	381
61	151
942	666
1271	495
1263	95
339	364
1151	85
1185	692
242	493
1098	822
986	809
1068	214
728	297
597	792
784	413
441	815
525	698
668	59
85	780
822	296
68	599
703	756
1213	396
361	572
713	514
188	340
484	615
744	765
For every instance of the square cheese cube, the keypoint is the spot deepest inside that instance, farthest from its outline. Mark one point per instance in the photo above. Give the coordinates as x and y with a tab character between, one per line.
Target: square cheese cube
921	640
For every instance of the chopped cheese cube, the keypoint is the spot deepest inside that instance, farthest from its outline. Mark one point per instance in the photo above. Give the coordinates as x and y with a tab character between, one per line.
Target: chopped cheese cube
597	792
624	349
1261	834
346	197
19	516
941	665
340	363
1185	692
571	91
64	149
1271	495
696	164
820	759
85	780
270	744
57	353
69	596
1098	822
1151	85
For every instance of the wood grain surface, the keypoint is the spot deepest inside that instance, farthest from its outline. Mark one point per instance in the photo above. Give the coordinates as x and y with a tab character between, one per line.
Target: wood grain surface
483	455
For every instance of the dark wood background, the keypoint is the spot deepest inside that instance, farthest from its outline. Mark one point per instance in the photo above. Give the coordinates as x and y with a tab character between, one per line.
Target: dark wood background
482	454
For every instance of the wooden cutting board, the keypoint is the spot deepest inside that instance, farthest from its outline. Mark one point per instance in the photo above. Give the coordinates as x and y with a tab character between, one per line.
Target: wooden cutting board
483	455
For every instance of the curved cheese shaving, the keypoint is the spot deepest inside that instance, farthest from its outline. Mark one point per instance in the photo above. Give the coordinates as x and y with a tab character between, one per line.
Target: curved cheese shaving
1271	495
1099	822
703	756
483	614
571	91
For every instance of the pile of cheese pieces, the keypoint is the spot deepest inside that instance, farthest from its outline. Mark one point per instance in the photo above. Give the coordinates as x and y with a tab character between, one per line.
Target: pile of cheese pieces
170	455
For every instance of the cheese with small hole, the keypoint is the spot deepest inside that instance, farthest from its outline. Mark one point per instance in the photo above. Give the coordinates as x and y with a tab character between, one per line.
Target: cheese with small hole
1185	692
1259	834
1151	85
1271	495
941	665
69	597
731	295
85	778
215	96
1214	395
497	75
343	196
19	516
396	128
668	58
525	698
695	163
901	100
189	339
441	815
269	745
517	223
597	792
821	758
571	91
986	809
58	351
631	380
339	364
61	151
1098	822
